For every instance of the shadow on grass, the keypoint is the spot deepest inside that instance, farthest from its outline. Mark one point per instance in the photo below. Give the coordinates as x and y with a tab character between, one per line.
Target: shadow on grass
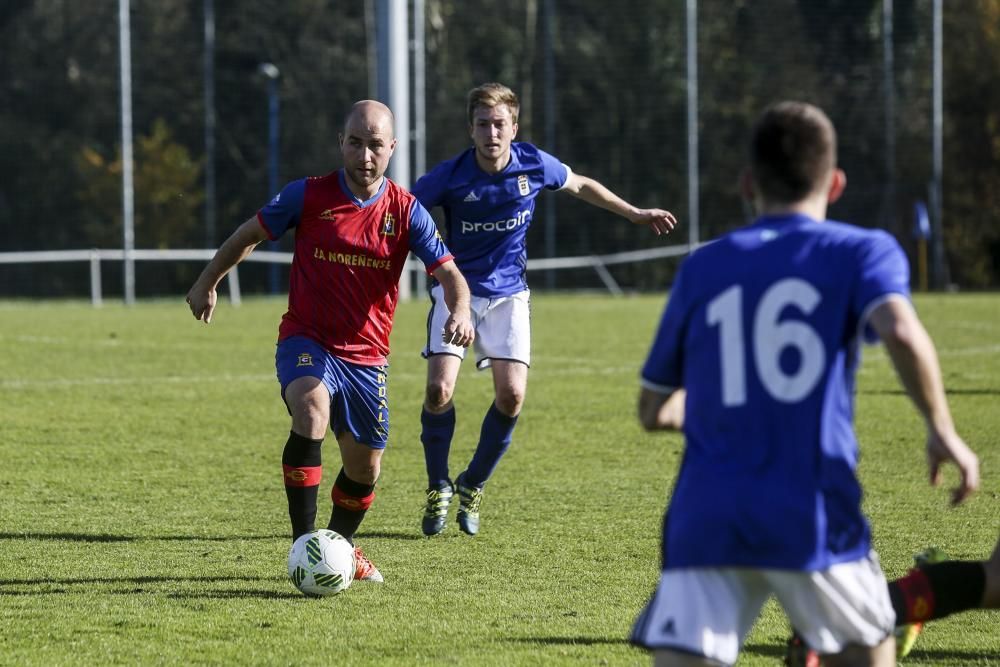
133	581
572	641
390	535
765	650
84	537
929	656
103	537
222	594
146	585
961	657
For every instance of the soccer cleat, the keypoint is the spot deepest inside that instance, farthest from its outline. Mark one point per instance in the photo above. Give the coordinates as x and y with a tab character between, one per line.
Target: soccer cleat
906	635
469	498
436	511
364	570
798	654
930	555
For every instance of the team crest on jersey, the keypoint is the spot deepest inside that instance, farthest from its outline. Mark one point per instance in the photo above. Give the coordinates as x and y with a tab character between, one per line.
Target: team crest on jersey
388	225
327	215
305	359
522	185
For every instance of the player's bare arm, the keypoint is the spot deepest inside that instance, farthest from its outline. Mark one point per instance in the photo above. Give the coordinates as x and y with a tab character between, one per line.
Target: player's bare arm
202	296
593	192
912	353
458	330
661	412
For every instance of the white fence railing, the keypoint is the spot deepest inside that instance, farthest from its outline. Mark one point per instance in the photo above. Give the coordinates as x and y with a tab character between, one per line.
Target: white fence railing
599	263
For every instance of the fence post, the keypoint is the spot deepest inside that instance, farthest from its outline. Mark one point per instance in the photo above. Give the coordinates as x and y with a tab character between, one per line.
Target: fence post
606	277
234	288
95	278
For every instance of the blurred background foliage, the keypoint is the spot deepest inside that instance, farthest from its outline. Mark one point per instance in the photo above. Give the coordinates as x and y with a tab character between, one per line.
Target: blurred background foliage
619	102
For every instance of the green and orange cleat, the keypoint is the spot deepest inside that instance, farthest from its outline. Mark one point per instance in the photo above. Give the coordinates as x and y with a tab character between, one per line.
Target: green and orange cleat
364	569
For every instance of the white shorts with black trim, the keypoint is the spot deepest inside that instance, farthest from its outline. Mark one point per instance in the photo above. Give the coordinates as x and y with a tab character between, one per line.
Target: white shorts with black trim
709	611
502	324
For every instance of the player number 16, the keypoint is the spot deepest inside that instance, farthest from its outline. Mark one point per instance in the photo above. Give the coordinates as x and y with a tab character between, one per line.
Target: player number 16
769	337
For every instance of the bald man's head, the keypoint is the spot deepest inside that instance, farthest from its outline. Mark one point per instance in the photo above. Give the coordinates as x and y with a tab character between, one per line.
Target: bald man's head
370	114
366	144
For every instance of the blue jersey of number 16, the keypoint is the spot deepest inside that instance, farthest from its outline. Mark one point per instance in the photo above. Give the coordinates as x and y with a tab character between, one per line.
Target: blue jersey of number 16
763	330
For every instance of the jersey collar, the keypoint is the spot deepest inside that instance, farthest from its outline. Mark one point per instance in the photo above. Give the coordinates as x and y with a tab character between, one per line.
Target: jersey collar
354	198
511	162
783	219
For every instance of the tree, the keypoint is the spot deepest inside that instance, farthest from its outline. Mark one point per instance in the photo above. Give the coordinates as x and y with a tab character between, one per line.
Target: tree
168	200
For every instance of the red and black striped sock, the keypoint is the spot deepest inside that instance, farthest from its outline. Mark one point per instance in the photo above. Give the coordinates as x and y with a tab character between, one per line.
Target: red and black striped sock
912	597
937	590
351	501
301	463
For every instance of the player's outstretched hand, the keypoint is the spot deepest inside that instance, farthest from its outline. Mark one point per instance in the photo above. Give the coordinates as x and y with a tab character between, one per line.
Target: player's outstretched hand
202	303
944	447
458	330
659	220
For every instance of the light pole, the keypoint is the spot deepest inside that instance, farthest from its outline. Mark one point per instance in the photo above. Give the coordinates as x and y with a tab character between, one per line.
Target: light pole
271	72
208	73
128	185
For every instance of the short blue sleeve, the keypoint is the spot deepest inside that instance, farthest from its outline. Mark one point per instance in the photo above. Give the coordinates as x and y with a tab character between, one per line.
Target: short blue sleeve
425	241
884	270
284	211
664	367
430	188
555	172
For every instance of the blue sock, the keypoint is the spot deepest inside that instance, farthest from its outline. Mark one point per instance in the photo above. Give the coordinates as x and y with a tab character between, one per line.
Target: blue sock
436	436
494	439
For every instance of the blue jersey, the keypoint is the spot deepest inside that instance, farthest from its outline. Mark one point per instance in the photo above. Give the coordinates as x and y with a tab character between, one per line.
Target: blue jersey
487	215
763	330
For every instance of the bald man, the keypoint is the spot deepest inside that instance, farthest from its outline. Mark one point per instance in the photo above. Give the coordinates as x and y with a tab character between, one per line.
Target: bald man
354	229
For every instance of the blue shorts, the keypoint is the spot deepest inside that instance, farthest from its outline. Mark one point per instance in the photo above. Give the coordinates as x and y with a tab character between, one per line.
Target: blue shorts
359	402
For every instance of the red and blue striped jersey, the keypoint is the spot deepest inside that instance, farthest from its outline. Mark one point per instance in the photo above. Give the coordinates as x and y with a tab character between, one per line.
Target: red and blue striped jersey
348	257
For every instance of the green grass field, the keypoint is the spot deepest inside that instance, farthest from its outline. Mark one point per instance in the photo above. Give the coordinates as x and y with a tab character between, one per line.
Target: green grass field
143	519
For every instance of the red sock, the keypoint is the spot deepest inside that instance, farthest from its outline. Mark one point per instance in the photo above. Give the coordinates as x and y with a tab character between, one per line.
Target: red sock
302	471
912	597
351	501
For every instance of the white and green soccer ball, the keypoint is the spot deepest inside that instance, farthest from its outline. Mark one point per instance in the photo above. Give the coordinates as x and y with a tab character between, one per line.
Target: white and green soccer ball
321	563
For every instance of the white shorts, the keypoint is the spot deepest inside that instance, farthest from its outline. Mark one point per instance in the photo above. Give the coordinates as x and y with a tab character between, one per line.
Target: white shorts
502	324
708	612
